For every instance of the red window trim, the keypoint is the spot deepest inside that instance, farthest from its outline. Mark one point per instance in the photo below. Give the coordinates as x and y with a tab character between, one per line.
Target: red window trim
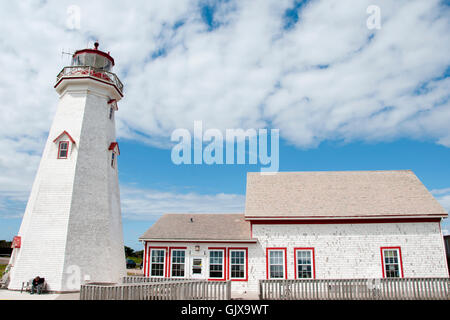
149	253
59	149
64	133
313	261
400	259
224	263
169	274
145	258
113	147
267	260
229	263
113	102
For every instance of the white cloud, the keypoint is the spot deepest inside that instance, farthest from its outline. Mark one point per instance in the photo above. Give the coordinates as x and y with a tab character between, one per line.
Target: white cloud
326	78
144	204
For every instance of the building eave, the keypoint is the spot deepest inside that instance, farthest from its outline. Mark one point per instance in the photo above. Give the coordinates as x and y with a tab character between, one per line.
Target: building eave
268	218
200	240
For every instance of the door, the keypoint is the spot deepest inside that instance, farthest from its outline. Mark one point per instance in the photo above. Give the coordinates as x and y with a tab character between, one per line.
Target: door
198	267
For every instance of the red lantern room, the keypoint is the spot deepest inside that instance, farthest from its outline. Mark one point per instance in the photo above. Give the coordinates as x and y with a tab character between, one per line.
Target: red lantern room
93	64
93	58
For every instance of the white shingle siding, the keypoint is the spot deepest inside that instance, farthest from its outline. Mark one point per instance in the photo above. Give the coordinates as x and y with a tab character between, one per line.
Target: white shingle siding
347	251
342	251
73	214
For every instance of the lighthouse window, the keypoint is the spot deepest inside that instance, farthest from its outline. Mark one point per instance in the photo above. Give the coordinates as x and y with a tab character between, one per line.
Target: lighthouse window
111	112
63	149
113	159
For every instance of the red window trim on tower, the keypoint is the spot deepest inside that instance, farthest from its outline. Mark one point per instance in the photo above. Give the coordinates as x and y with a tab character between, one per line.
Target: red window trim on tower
64	133
67	150
113	146
113	102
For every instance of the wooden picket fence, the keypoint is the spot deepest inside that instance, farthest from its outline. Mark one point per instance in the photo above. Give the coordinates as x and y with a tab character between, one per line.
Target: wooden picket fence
356	289
158	290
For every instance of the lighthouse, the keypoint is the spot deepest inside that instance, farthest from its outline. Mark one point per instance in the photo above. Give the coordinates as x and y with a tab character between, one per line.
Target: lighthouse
71	230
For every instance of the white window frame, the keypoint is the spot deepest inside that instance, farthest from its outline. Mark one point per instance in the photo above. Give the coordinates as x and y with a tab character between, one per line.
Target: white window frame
172	263
231	263
311	252
399	263
215	264
163	263
60	149
283	265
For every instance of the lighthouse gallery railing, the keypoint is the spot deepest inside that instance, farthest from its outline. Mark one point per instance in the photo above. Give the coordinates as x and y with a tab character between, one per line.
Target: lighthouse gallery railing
87	71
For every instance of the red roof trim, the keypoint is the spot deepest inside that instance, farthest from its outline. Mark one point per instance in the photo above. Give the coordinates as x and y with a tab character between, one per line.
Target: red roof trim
95	51
346	221
113	145
64	133
199	241
386	216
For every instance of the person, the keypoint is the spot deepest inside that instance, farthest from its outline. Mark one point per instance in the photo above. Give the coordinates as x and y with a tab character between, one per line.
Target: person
36	285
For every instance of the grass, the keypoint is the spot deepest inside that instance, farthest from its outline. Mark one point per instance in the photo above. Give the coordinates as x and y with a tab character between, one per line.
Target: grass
2	269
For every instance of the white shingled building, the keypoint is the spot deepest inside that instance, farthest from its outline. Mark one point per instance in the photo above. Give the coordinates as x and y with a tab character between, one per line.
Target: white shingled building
72	228
307	225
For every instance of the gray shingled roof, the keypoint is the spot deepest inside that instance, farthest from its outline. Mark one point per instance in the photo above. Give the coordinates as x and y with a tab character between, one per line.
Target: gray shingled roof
339	194
203	226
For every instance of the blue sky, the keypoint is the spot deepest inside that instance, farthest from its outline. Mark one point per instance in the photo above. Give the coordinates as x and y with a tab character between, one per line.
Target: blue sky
344	97
151	168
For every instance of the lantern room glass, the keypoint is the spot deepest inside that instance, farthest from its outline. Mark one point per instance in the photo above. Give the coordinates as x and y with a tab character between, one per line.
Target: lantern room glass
92	60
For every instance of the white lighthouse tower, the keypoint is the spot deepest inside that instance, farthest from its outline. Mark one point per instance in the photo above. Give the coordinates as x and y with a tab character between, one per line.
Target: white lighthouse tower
72	227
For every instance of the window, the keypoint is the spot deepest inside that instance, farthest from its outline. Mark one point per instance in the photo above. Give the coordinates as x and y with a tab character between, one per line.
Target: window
178	263
392	262
216	264
238	264
157	262
276	263
111	112
304	259
113	160
63	149
197	266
